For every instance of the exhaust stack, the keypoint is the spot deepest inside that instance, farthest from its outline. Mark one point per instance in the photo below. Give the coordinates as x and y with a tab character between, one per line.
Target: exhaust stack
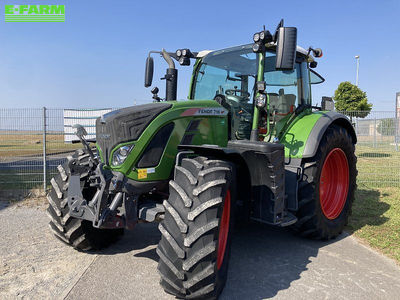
171	77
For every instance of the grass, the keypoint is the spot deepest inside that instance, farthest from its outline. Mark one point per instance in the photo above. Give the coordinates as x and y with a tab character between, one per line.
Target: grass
376	209
31	143
376	219
22	179
23	145
378	166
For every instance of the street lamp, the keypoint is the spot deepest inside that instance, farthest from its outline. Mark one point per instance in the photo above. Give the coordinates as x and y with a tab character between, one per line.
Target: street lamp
357	57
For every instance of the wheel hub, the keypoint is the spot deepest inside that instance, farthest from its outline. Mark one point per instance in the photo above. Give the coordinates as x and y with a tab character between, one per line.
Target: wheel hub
334	183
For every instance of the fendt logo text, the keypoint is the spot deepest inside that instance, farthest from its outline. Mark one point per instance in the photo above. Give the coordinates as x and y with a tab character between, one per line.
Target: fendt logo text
34	13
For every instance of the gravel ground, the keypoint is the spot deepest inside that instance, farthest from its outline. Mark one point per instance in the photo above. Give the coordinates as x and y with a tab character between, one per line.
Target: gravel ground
266	263
33	264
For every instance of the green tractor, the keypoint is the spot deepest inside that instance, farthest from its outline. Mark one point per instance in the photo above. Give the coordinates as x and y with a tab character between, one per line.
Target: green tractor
247	146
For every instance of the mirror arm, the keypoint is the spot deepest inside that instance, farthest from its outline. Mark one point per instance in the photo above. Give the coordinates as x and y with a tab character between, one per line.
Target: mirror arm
151	52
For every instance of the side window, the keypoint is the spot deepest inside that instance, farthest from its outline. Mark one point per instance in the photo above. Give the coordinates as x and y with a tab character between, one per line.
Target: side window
315	78
283	87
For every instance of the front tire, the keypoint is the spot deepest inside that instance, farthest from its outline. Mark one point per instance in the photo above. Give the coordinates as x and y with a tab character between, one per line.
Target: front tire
78	233
326	191
196	232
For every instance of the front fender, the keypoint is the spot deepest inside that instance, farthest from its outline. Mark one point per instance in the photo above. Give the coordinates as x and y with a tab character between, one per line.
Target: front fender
303	136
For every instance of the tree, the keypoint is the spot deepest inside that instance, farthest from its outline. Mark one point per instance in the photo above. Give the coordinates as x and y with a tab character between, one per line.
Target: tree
387	127
350	98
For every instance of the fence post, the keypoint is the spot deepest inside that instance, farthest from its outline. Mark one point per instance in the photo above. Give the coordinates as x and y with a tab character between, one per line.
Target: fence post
44	152
357	130
375	132
396	132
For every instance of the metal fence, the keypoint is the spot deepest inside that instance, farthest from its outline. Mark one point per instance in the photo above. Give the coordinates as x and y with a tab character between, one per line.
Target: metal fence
378	155
33	142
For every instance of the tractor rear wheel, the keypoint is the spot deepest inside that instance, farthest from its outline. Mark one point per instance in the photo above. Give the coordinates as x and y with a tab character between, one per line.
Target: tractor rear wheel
196	232
326	192
78	233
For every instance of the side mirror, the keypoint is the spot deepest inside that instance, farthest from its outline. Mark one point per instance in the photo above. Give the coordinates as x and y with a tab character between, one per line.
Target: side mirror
148	76
286	48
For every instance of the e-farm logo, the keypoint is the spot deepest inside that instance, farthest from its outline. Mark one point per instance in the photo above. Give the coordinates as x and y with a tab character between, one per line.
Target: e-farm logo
35	13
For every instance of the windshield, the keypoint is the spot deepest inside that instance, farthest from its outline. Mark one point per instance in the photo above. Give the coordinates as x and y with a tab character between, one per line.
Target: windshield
223	71
230	74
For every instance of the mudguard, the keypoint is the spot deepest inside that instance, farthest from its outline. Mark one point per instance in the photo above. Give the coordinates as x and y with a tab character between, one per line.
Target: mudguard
302	138
262	166
320	127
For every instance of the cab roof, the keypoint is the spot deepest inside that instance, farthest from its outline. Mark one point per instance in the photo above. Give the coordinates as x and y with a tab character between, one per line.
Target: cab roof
299	50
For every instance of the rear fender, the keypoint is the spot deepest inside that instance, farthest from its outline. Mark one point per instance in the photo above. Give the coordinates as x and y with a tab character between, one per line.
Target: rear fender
302	138
302	141
320	127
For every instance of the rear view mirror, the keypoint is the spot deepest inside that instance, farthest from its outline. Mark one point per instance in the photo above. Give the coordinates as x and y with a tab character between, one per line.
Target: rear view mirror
286	48
148	76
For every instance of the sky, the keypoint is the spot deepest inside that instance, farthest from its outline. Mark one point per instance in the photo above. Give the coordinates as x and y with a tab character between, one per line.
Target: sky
96	58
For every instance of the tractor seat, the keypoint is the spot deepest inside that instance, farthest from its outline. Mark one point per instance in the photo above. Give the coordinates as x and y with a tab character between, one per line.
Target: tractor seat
273	101
282	103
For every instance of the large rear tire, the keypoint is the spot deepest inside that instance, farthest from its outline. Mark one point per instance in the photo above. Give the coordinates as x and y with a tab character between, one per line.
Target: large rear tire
326	192
196	232
78	233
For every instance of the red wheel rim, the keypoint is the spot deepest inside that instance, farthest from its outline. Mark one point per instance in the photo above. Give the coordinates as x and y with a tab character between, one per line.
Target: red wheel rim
334	183
224	229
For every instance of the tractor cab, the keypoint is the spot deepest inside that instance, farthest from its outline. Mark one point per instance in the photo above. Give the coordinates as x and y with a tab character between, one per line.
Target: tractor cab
261	85
229	76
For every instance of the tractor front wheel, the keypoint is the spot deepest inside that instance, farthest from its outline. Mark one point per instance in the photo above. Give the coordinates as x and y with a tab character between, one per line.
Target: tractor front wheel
196	232
326	192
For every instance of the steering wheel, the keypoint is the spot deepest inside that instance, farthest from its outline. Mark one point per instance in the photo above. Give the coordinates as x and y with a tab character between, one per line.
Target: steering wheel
221	99
231	92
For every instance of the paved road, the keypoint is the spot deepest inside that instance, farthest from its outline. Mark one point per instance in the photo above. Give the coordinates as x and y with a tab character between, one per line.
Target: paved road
266	263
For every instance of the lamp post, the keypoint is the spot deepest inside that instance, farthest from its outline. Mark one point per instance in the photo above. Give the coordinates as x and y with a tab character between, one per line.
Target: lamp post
357	57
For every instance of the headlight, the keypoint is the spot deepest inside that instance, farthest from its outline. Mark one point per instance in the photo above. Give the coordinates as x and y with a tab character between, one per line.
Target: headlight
256	37
121	154
256	47
261	100
262	35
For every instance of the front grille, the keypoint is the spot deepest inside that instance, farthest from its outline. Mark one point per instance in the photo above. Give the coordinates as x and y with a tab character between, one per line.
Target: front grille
125	125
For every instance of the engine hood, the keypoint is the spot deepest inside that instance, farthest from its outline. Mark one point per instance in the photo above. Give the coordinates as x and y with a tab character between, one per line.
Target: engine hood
124	125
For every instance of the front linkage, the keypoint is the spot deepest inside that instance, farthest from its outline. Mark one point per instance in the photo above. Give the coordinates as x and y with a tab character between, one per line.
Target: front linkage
111	191
97	209
113	205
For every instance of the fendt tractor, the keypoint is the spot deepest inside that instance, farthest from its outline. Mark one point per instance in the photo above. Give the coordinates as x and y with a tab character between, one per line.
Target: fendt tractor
247	145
